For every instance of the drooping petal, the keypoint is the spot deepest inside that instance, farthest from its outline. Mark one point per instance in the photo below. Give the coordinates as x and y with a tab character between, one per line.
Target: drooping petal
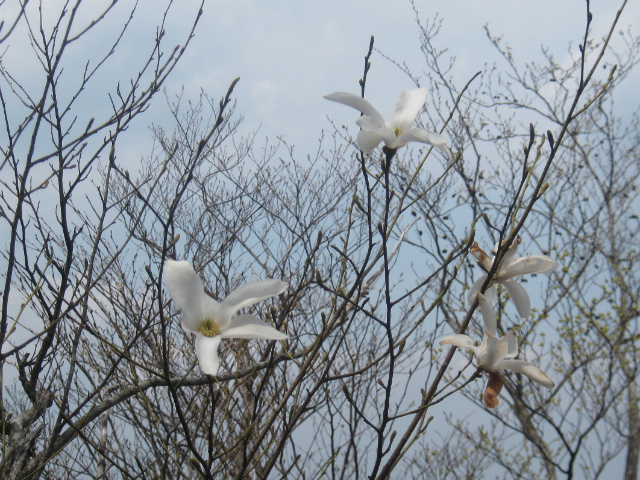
494	387
357	102
186	290
489	316
528	369
207	352
519	296
525	265
249	326
422	136
512	342
367	140
489	294
248	295
485	261
409	104
460	341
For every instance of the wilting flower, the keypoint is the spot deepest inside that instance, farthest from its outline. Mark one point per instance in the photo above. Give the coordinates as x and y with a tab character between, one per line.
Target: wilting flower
398	132
496	353
508	270
212	321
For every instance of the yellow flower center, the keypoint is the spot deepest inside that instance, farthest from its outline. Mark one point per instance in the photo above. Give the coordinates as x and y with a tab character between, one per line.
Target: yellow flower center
397	131
209	328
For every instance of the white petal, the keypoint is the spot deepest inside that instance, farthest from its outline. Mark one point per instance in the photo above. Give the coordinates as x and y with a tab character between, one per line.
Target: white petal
475	288
248	326
528	369
519	296
489	315
512	342
485	261
492	351
387	135
409	104
186	290
422	136
451	158
213	310
189	327
370	123
525	265
509	255
249	294
367	141
489	294
459	340
207	352
357	102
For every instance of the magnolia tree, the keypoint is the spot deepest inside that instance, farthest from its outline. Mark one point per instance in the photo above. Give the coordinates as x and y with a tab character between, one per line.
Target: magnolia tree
447	294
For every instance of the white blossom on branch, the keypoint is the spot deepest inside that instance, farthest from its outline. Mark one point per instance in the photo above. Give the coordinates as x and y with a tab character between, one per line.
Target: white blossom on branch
399	131
507	271
496	353
212	321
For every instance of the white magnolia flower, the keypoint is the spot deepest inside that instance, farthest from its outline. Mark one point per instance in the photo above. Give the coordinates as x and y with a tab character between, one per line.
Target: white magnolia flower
496	353
508	270
212	321
398	132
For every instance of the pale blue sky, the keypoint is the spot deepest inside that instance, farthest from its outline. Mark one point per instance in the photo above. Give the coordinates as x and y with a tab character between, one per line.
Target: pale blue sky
290	53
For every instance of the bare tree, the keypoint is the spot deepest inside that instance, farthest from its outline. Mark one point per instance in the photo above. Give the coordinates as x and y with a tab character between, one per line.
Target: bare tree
59	221
374	248
586	217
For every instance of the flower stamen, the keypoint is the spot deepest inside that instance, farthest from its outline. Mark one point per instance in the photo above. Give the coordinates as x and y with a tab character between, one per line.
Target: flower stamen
209	328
